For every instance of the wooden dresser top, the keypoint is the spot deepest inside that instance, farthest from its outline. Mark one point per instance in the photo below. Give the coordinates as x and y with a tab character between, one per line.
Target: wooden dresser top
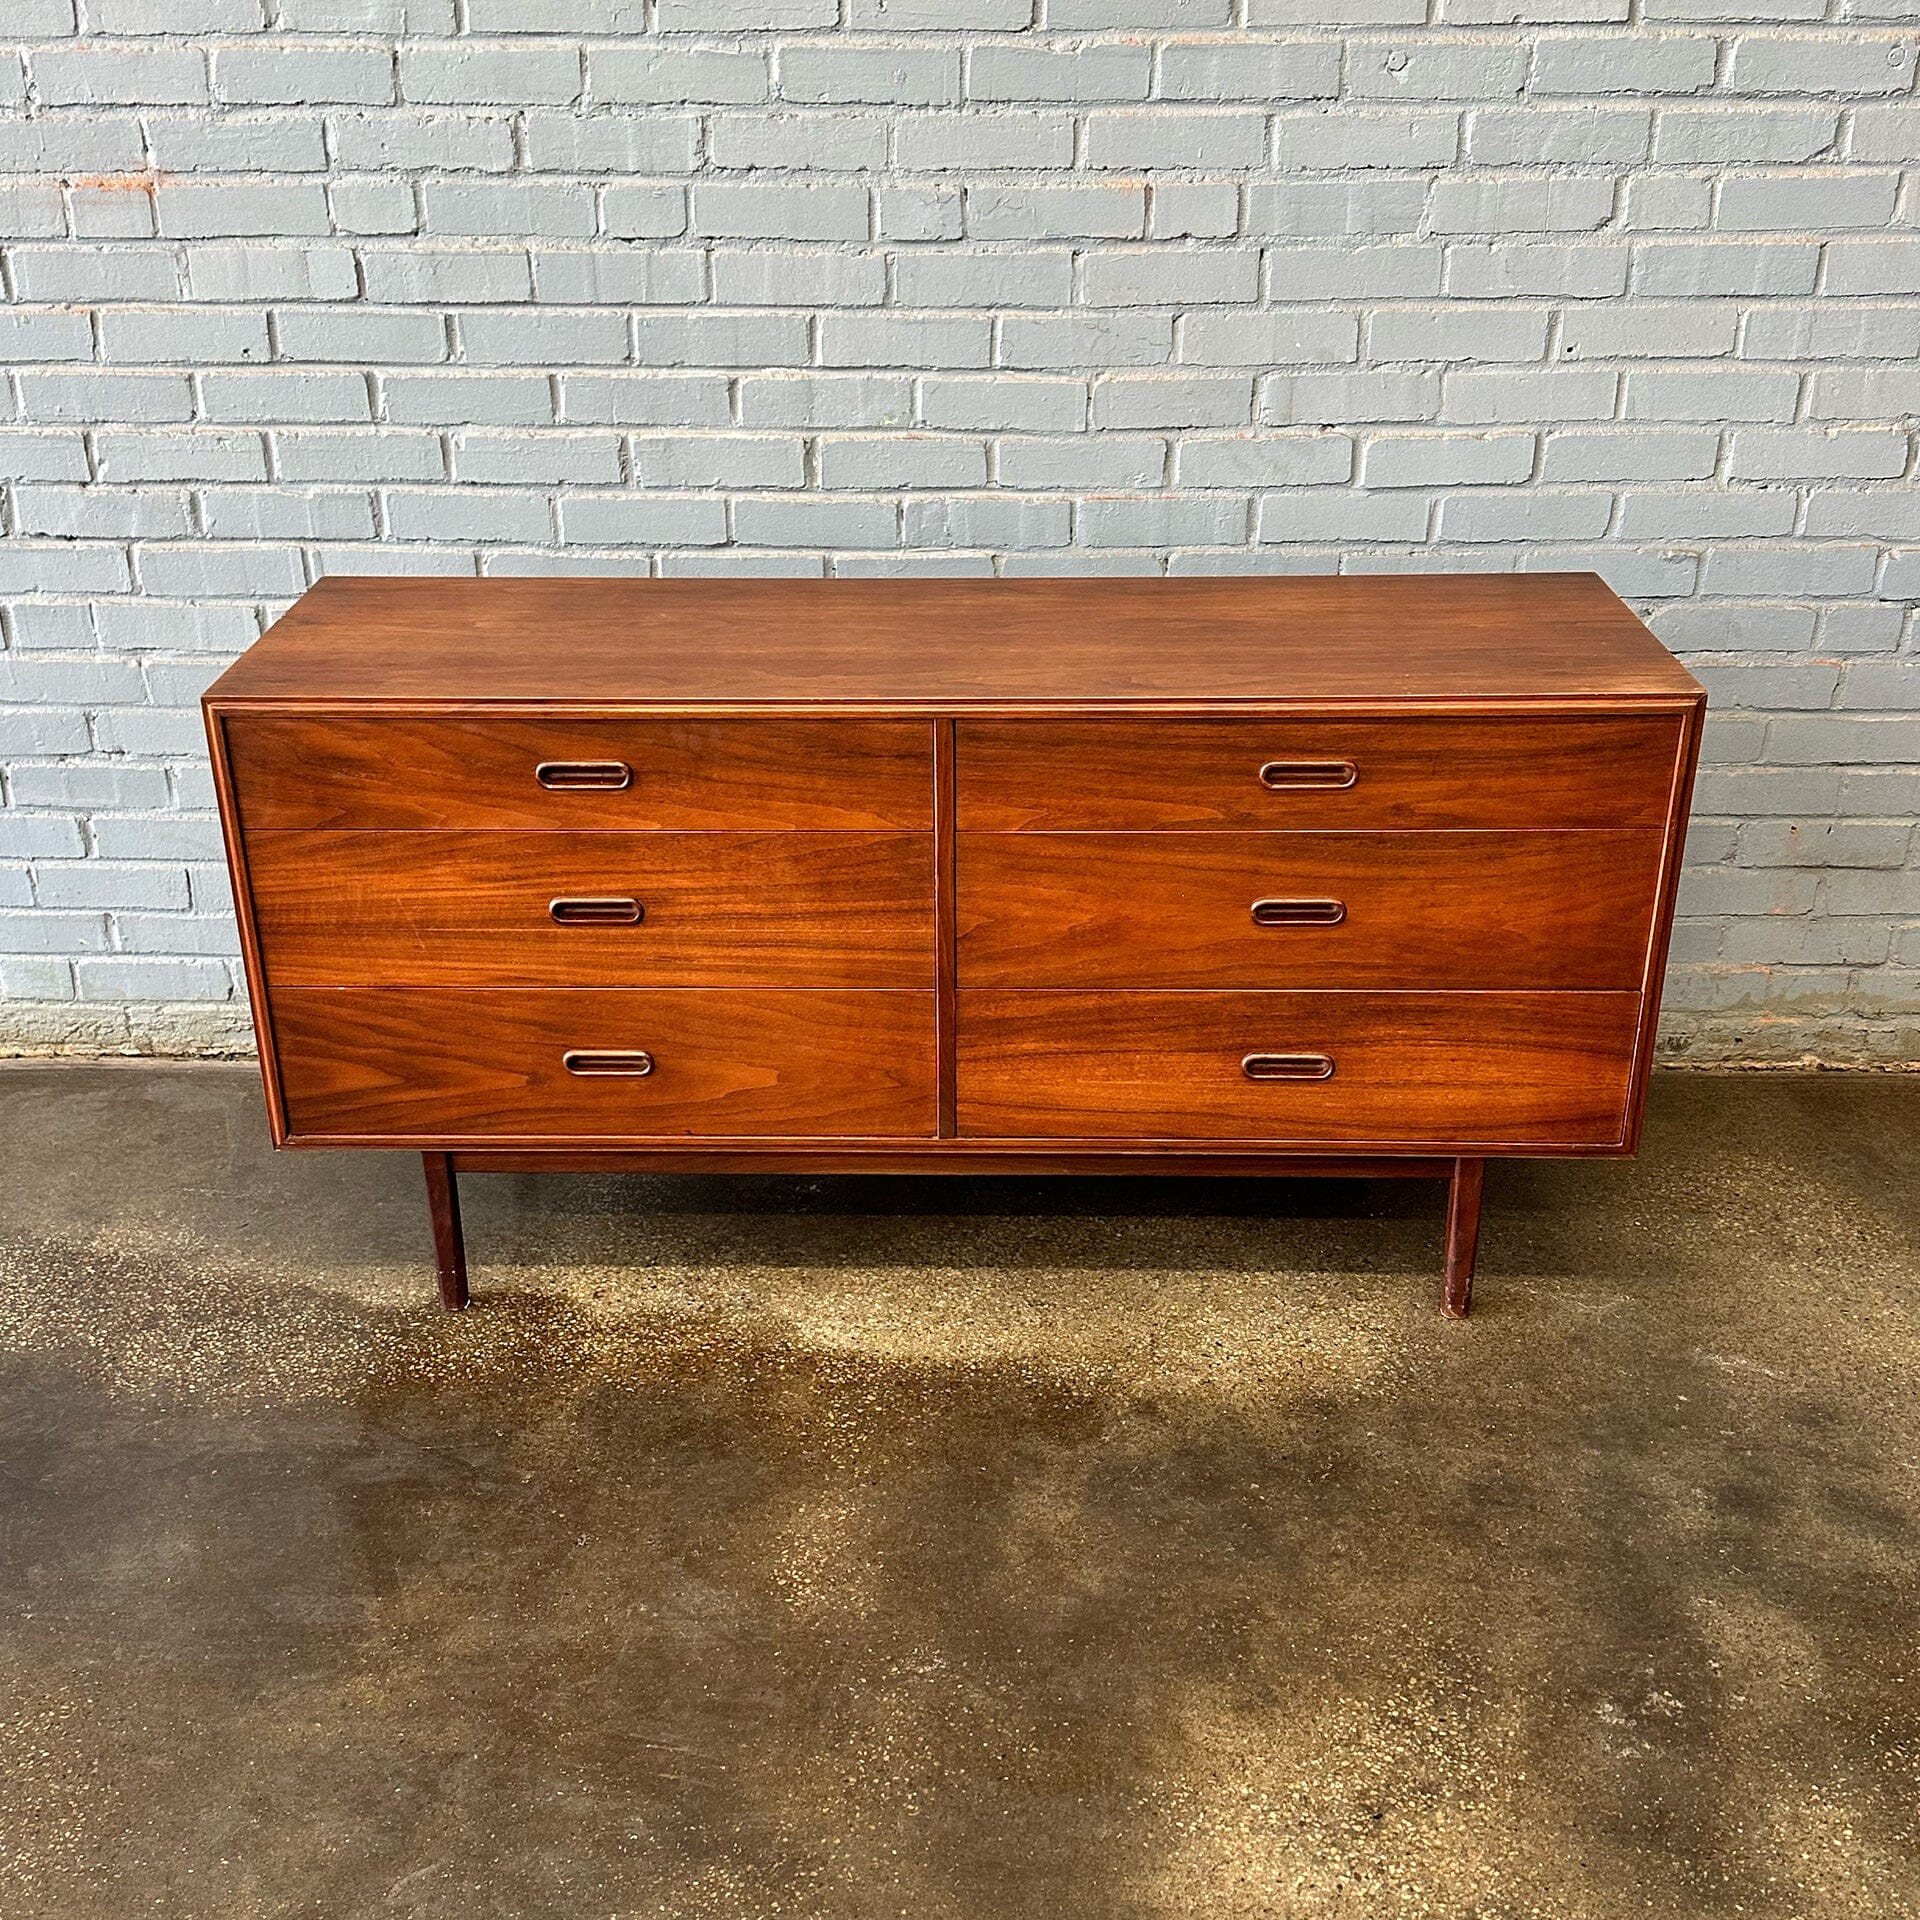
958	644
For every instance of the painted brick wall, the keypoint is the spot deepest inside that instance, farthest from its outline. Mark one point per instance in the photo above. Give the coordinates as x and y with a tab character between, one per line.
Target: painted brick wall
962	286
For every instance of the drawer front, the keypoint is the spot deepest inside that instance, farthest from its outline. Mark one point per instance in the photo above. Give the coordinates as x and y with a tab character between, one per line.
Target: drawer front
411	1064
1538	1070
1463	910
1566	771
316	771
594	909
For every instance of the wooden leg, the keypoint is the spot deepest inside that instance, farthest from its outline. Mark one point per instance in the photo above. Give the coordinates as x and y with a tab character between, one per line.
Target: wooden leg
1463	1235
449	1247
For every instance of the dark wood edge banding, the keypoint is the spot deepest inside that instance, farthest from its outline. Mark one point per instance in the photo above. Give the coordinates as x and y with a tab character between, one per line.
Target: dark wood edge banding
945	880
1660	934
227	801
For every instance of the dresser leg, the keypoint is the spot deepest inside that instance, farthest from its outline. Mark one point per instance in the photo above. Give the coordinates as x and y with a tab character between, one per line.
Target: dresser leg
449	1246
1463	1235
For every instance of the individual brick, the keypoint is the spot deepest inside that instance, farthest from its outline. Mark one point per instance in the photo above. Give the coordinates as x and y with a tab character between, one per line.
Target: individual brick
821	74
880	463
1447	460
780	210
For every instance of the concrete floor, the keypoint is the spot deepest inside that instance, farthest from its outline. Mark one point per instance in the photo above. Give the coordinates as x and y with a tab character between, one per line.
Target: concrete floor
846	1548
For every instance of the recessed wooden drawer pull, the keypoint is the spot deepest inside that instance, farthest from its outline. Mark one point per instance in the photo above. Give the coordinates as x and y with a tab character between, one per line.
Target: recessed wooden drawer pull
589	1063
597	913
1299	913
1287	1066
592	776
1280	774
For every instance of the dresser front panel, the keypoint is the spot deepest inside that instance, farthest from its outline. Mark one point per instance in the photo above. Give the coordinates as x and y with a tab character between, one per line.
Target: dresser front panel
1534	1070
413	1064
411	771
518	909
1413	771
1445	909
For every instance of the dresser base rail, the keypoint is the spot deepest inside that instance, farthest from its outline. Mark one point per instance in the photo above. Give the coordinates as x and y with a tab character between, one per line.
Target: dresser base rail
1464	1177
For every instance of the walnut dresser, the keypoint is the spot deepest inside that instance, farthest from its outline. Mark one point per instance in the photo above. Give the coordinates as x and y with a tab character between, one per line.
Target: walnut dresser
1293	875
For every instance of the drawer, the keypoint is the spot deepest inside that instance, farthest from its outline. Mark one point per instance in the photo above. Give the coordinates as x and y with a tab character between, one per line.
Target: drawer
412	1064
322	771
1461	909
546	909
1539	1070
1604	770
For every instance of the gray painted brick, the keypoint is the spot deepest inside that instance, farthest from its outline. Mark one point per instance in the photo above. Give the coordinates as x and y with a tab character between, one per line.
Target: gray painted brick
645	399
1308	207
719	460
666	74
102	74
236	273
347	75
653	276
1090	73
796	277
1130	141
527	336
936	142
1237	70
1794	453
195	210
1459	333
1743	134
1822	63
642	520
987	520
1095	282
979	277
898	77
1264	460
474	73
1826	197
1004	405
812	520
1133	401
521	459
775	210
1076	462
1651	62
826	400
940	16
1447	459
1292	337
1376	137
835	142
1056	213
1084	340
1536	135
1681	267
905	340
1477	203
463	142
881	462
1164	277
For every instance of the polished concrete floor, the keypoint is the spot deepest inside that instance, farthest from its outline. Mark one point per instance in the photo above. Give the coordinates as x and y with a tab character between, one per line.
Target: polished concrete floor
848	1548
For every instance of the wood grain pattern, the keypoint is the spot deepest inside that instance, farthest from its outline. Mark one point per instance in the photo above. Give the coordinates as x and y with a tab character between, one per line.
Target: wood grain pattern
447	1066
472	909
951	643
1462	910
293	771
1413	771
1416	1069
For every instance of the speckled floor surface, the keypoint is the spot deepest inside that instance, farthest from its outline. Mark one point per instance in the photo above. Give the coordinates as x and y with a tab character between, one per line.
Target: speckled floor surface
852	1549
